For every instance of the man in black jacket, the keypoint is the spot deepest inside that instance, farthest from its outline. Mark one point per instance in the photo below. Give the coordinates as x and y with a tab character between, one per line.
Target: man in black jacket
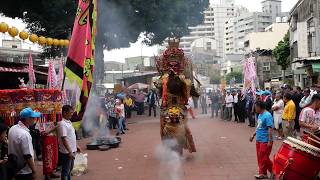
152	99
297	96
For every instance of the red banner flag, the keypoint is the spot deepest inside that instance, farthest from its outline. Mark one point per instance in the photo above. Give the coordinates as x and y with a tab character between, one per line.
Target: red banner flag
80	60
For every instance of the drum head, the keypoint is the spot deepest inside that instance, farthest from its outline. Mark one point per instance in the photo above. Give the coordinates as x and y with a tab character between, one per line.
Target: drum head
302	146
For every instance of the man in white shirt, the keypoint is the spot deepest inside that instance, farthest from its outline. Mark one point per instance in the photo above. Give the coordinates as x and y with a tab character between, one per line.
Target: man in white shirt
67	142
20	144
235	106
229	105
306	100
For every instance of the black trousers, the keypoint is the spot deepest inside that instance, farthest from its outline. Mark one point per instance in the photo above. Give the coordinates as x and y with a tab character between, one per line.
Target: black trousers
113	121
296	120
251	118
23	177
236	111
140	108
241	113
154	107
36	141
127	110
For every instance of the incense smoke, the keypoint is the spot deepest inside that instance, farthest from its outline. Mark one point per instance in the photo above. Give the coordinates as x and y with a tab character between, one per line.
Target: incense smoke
93	121
170	161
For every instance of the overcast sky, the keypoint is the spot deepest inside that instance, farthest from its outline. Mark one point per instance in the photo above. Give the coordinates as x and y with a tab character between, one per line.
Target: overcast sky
255	5
137	49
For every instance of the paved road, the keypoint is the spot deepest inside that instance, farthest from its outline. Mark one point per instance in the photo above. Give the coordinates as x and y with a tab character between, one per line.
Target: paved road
224	153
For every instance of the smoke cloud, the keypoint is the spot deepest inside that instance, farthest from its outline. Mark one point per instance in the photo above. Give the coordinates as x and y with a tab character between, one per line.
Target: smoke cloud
92	121
170	161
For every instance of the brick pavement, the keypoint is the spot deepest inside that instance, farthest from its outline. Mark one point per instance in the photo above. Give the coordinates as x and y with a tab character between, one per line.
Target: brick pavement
224	153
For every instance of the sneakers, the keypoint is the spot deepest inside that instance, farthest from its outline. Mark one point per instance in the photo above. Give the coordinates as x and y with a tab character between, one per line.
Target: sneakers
261	176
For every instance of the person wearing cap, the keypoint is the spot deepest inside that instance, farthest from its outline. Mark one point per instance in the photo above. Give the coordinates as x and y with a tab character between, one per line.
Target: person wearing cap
20	144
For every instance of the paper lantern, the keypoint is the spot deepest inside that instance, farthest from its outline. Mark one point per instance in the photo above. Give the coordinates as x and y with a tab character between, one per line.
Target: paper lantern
42	40
4	27
33	38
61	42
13	31
55	42
49	41
66	42
23	35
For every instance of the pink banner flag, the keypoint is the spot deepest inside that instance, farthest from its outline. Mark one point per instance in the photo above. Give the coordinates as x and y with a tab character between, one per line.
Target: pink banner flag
61	73
52	76
250	74
32	77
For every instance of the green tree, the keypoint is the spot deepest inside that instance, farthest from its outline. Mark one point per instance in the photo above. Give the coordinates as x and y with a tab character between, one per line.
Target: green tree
119	21
238	76
282	54
215	78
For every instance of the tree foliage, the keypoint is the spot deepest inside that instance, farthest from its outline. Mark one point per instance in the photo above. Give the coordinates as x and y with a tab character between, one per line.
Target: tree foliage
215	78
282	52
119	21
237	75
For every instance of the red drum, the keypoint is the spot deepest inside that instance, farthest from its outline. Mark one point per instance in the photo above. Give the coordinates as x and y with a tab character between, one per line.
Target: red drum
313	142
311	138
296	160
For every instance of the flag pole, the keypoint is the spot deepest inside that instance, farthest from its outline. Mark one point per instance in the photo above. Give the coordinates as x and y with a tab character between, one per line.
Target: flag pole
64	73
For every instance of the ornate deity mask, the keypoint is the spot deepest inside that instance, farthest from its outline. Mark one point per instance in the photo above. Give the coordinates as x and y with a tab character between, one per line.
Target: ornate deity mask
175	114
173	59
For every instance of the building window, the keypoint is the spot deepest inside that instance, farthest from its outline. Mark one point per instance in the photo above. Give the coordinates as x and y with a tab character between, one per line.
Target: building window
14	46
208	46
266	66
311	37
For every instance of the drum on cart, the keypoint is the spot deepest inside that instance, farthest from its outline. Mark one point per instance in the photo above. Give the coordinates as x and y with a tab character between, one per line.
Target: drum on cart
296	160
311	138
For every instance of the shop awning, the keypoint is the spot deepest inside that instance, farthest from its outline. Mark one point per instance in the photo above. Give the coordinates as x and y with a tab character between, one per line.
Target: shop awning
307	59
316	67
9	69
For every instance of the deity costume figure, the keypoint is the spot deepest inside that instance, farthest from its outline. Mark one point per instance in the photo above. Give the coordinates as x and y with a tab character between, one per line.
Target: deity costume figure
175	87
